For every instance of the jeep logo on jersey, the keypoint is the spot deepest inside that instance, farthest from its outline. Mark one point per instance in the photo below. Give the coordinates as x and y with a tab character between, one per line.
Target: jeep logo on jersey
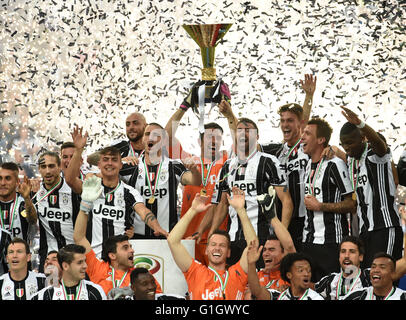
109	212
294	165
249	187
55	214
159	193
16	232
362	180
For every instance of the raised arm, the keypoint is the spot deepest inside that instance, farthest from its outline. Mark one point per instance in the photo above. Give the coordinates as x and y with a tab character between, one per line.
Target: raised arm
253	254
237	201
287	204
205	223
309	86
92	189
73	169
266	201
219	214
181	256
24	188
377	144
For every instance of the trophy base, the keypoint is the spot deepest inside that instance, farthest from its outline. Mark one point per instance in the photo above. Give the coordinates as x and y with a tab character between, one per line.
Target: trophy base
209	74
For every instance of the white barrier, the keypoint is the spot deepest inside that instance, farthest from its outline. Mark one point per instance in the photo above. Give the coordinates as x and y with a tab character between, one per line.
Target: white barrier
156	256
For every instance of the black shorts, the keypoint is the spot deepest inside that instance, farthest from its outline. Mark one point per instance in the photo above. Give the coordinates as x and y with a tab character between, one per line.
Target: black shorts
389	240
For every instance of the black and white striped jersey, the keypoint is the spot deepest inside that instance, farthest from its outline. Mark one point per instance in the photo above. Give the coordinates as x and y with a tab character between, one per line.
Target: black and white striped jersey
57	215
293	162
165	193
12	219
309	294
254	177
5	239
328	182
84	290
112	214
335	287
376	191
21	290
368	294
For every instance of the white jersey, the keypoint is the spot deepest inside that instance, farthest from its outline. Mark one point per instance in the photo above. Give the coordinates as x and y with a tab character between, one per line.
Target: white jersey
309	294
328	182
112	214
376	192
57	215
85	290
21	290
254	177
165	194
335	287
368	294
12	220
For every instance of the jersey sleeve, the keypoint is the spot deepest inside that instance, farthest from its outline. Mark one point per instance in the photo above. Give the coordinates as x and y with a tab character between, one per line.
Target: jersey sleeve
93	265
179	169
273	172
323	287
340	176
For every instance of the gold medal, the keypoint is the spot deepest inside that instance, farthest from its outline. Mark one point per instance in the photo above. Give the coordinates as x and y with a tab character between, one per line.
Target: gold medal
354	196
151	200
23	214
203	192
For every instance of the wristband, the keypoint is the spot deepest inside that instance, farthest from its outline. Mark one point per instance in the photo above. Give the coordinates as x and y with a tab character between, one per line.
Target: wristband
86	206
184	106
361	125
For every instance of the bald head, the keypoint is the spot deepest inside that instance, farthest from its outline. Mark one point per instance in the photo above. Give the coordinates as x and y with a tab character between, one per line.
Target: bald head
135	125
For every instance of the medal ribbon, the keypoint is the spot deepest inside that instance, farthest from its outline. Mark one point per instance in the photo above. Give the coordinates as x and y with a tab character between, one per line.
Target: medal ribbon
132	150
78	291
340	283
11	217
205	180
117	283
371	297
49	192
112	191
223	285
354	173
286	156
269	284
316	174
156	178
304	295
